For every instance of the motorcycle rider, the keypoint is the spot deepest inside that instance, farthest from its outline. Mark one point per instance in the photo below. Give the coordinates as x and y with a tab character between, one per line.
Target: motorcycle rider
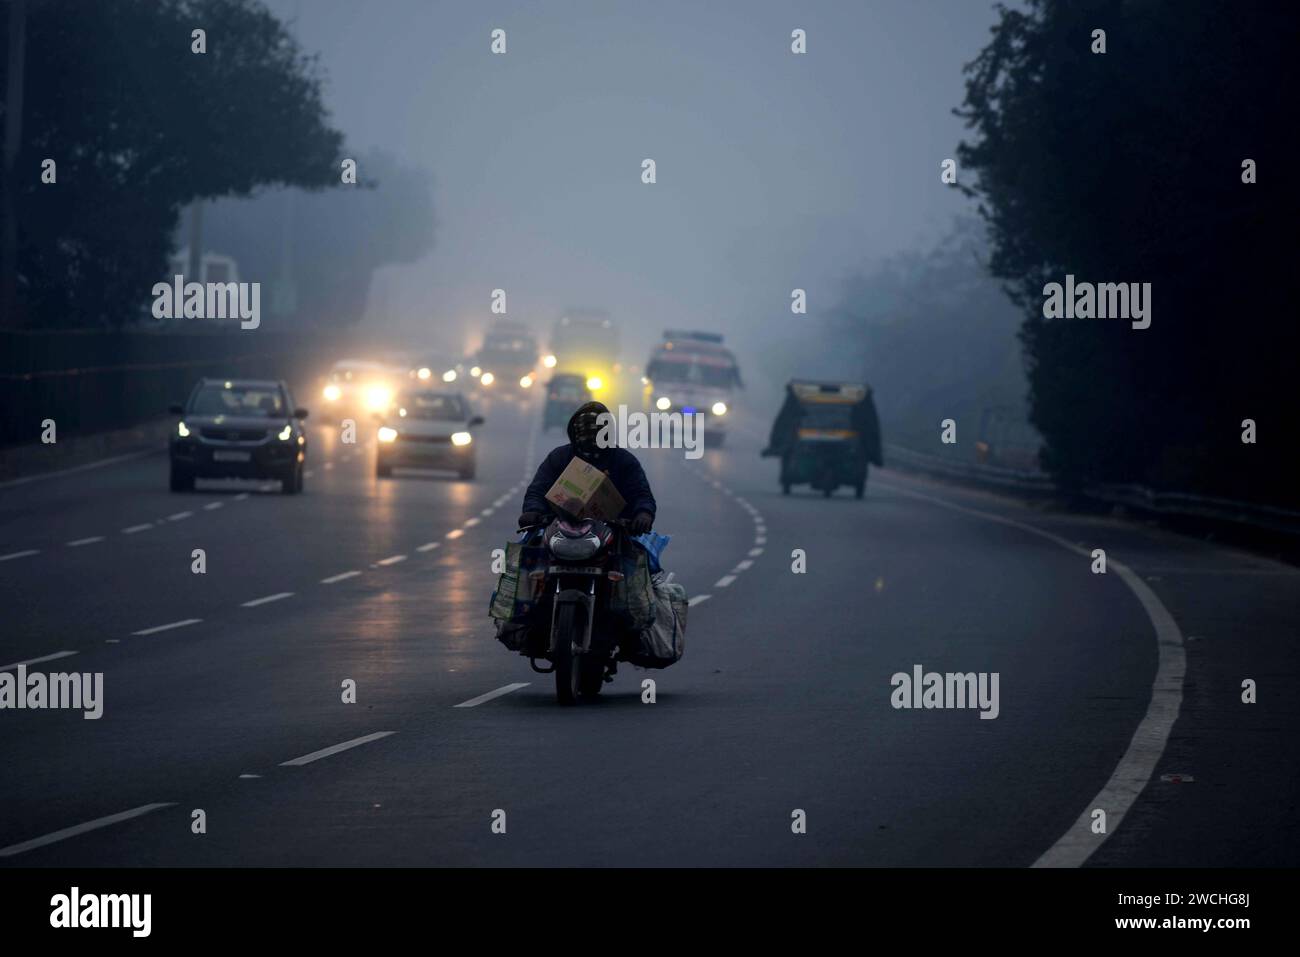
619	464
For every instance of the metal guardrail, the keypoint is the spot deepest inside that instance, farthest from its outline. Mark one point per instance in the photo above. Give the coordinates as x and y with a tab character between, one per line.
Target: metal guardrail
1031	482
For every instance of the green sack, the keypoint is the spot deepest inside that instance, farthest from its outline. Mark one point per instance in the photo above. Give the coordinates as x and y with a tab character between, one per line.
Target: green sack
517	593
633	597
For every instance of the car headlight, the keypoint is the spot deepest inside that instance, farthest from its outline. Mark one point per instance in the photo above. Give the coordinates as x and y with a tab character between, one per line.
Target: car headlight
387	434
595	383
286	433
449	375
333	393
663	402
461	438
378	397
424	372
182	430
549	362
525	381
476	372
487	378
719	408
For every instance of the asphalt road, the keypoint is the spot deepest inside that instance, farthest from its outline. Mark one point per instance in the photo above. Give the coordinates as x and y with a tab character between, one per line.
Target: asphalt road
782	702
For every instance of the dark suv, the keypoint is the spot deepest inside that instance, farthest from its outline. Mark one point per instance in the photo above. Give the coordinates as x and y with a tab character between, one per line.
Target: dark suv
238	428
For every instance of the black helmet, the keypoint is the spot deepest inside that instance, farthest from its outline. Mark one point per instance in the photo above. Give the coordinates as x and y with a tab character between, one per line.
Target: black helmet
585	424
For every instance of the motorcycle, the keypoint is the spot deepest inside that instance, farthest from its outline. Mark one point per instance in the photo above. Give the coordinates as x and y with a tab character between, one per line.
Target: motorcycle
583	639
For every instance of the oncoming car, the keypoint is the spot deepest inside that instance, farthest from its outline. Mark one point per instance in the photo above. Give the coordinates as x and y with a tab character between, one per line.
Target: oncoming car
428	429
238	428
359	385
564	393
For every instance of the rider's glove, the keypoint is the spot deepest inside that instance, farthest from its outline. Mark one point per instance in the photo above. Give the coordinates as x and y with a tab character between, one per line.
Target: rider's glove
528	519
642	523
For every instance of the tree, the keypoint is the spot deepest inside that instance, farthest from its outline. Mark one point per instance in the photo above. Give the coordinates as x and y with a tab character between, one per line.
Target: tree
139	126
1126	166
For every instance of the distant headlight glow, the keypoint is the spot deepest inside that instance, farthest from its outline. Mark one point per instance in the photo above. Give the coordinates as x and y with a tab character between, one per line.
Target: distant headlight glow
387	434
378	397
449	375
333	393
461	438
487	378
719	408
663	402
424	372
595	383
549	362
525	382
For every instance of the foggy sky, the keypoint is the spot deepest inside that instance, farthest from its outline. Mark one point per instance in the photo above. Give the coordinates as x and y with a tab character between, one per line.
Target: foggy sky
774	170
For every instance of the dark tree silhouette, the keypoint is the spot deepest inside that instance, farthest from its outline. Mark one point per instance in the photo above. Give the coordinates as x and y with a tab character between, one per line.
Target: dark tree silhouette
1126	166
139	126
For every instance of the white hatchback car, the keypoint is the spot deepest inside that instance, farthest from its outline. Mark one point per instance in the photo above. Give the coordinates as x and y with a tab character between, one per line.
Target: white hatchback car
428	429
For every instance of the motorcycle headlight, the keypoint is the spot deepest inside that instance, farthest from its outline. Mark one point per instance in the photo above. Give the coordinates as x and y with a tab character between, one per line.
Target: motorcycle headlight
573	549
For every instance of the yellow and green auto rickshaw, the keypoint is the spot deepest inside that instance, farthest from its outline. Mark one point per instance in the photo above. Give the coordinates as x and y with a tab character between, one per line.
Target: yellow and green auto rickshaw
825	435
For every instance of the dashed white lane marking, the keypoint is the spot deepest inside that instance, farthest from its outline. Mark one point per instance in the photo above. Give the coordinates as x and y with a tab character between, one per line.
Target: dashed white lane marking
696	599
724	581
456	533
487	511
391	560
741	566
167	627
760	540
1138	764
137	528
428	546
755	552
309	473
178	516
249	776
76	829
328	466
266	599
23	554
78	542
471	522
241	496
472	702
213	506
36	661
338	578
335	749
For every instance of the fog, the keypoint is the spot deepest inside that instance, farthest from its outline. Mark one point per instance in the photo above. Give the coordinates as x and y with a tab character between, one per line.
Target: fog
774	170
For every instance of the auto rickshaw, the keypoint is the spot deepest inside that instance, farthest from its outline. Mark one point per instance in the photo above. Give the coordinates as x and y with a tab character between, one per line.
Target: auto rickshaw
825	435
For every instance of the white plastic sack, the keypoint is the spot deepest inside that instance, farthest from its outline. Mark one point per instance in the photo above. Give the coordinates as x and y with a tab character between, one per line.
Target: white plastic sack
664	642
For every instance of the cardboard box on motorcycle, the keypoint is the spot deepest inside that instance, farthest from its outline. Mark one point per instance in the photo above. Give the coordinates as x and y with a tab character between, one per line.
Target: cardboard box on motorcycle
584	491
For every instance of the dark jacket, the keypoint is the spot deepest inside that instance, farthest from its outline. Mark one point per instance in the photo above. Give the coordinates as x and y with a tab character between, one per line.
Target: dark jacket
620	465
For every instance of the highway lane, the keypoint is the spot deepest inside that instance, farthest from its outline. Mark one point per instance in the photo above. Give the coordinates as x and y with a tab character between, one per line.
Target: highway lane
781	703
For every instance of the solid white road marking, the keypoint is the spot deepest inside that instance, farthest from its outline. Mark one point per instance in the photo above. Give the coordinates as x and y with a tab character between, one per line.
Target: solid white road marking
428	546
696	599
37	661
76	829
338	578
493	694
167	627
136	528
22	554
724	581
1137	766
335	749
78	542
267	598
391	560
